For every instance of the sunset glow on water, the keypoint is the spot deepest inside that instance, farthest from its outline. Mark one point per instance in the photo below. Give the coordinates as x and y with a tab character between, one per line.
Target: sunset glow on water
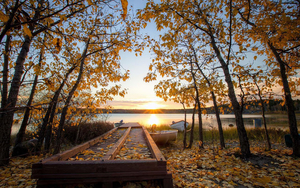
166	119
153	120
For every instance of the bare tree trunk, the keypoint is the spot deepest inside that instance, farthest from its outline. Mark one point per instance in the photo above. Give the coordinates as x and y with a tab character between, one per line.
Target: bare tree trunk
78	131
48	133
65	109
263	115
184	133
5	72
244	143
199	104
48	118
201	144
21	133
48	137
7	117
77	134
4	142
269	147
289	103
42	129
192	128
222	140
49	125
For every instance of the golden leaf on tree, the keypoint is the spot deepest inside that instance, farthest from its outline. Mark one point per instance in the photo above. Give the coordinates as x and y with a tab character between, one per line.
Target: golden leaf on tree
3	17
57	43
124	7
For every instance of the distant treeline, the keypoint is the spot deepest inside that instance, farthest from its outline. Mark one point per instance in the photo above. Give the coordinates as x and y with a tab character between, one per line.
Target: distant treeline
249	108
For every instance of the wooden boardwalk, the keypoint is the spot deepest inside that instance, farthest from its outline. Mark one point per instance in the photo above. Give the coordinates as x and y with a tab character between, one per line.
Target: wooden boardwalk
126	153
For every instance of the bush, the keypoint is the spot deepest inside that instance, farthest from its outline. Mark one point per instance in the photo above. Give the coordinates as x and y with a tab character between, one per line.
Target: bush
88	131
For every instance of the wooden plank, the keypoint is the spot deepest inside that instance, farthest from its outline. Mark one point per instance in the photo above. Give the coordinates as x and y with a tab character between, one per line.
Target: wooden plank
154	149
131	124
62	167
168	181
103	175
56	170
71	152
111	154
139	177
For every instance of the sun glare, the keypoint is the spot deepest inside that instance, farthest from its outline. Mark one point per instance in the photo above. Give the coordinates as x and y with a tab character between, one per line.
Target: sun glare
151	105
153	120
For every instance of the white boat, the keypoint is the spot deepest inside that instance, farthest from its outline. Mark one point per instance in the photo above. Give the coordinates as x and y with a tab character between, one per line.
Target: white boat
178	125
163	137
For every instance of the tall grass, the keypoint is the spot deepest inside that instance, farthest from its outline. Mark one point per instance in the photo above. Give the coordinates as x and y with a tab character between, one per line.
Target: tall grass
88	131
258	134
158	128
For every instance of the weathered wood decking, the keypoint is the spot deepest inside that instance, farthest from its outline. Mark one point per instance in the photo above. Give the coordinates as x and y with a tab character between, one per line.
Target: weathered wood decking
126	153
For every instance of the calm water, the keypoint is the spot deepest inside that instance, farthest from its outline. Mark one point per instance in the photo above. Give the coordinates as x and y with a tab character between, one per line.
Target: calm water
166	119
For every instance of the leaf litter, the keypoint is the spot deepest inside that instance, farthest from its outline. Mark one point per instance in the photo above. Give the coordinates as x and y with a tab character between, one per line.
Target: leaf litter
135	147
212	167
18	172
208	167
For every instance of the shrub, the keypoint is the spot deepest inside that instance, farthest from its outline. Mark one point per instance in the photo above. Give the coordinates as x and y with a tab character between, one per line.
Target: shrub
88	131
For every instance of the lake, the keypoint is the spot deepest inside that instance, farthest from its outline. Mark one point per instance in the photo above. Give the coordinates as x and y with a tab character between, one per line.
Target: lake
278	120
208	120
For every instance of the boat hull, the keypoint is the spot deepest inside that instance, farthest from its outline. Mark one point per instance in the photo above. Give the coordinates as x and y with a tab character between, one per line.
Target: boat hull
163	137
179	125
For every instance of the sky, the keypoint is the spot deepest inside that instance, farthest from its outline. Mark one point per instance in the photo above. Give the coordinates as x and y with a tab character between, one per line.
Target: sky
140	95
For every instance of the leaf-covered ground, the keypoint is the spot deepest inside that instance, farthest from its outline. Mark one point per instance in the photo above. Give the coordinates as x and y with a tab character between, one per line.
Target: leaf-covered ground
18	172
208	167
211	167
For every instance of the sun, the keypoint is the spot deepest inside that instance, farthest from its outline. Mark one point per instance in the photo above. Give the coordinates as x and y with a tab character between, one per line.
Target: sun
151	105
153	120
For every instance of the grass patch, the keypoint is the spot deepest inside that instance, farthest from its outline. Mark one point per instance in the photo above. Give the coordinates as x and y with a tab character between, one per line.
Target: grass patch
257	134
158	128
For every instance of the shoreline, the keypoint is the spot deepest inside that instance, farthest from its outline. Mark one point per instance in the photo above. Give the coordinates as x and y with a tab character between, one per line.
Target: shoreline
188	111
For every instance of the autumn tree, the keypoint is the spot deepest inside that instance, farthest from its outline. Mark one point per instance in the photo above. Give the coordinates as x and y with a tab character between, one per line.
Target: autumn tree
38	17
214	23
179	67
34	18
275	25
104	37
213	85
69	97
